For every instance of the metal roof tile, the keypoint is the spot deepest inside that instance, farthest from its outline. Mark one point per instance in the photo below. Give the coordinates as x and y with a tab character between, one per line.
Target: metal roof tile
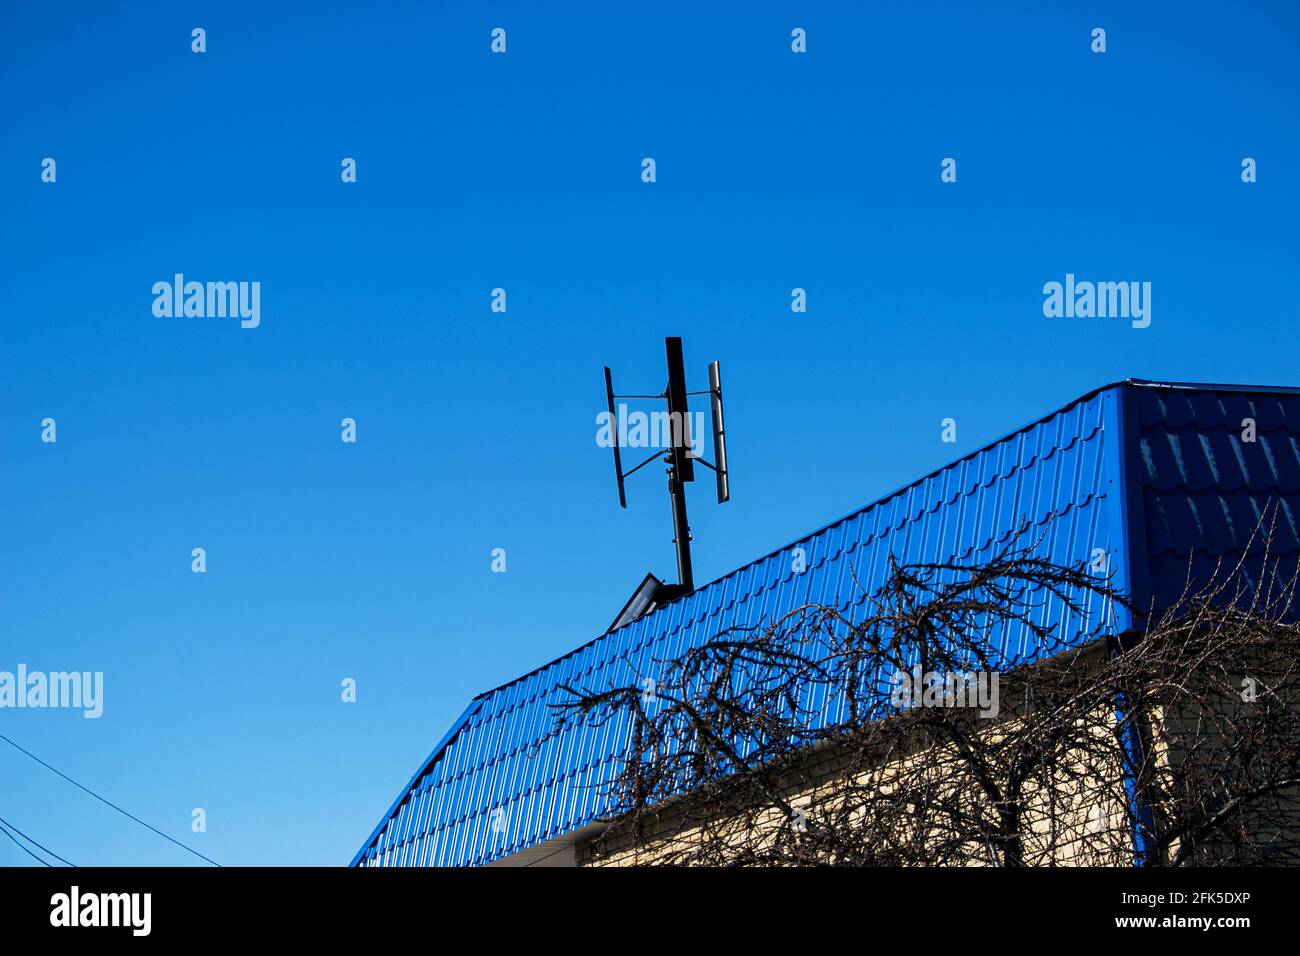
1196	486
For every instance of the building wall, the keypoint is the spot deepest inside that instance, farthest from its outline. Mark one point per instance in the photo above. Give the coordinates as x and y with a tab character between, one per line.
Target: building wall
1060	832
1074	819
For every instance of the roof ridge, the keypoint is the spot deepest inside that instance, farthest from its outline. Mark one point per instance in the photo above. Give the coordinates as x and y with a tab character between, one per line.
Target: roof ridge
1212	387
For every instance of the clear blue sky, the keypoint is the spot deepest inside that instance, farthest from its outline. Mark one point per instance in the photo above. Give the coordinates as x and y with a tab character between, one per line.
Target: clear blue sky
477	430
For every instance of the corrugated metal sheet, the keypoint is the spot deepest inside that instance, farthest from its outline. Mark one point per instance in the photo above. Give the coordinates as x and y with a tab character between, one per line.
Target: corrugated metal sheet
496	785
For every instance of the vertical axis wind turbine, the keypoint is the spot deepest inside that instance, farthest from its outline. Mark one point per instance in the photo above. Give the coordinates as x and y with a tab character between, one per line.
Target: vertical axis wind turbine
679	455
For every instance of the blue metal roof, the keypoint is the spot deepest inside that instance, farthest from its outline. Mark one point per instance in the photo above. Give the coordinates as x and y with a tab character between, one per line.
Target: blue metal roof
1204	491
1151	473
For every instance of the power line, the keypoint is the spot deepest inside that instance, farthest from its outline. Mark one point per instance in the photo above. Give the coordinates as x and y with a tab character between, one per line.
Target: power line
23	848
6	823
107	802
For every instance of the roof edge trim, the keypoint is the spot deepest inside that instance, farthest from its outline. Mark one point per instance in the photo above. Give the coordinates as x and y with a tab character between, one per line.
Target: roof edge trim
429	761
